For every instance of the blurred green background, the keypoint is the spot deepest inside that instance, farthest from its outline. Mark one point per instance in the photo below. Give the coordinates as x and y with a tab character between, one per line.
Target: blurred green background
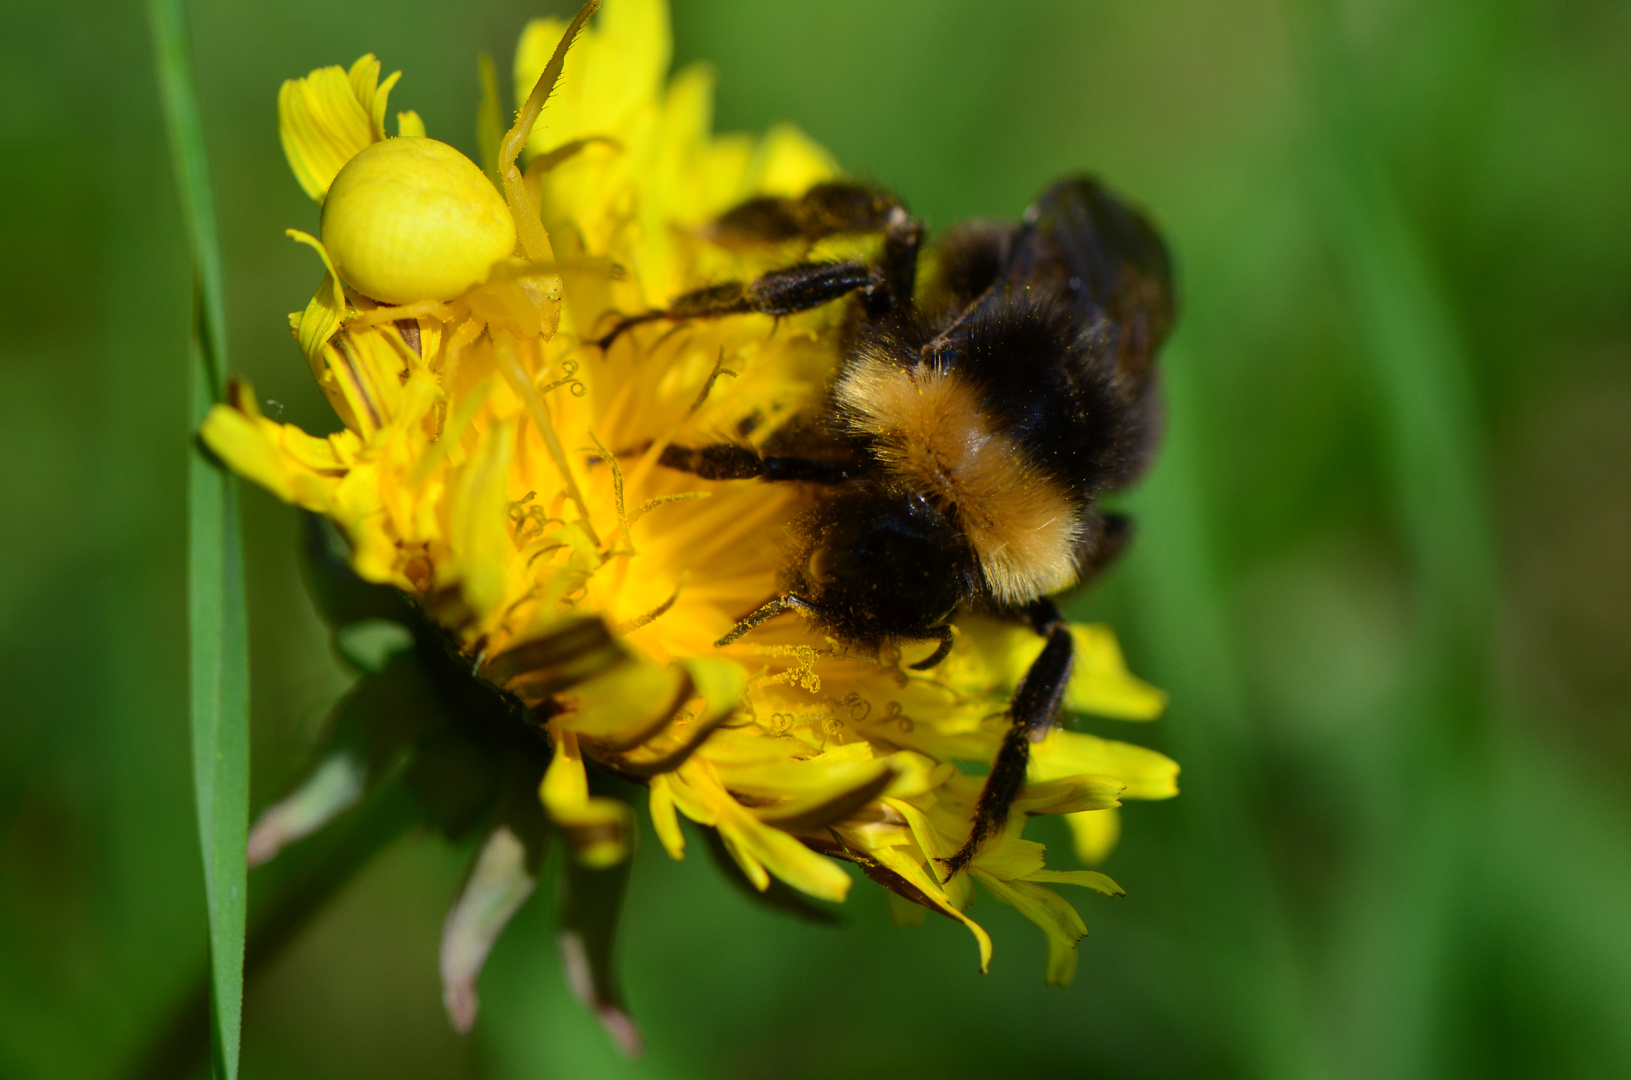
1384	565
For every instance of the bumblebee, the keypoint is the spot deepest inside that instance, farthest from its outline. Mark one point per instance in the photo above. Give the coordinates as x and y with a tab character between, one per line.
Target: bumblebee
970	431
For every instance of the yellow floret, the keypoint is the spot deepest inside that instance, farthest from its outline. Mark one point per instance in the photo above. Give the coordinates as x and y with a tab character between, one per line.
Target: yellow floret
413	219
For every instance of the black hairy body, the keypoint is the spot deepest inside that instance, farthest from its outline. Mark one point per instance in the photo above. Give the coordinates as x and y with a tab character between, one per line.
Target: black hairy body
975	422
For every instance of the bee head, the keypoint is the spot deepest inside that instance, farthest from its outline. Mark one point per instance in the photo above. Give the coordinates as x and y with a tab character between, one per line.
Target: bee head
878	564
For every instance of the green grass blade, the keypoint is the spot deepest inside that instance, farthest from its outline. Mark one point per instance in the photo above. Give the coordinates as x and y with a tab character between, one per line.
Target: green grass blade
219	657
217	619
185	124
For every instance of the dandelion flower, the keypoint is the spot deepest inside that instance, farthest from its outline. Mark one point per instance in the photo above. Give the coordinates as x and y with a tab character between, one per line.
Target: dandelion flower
502	473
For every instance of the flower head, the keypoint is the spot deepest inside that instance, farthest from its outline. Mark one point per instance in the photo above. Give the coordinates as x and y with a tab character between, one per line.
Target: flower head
504	473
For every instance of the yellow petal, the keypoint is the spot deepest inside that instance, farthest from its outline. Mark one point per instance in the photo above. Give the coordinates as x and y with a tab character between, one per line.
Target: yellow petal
789	163
915	774
786	858
1070	795
1147	774
292	465
247	449
1100	684
759	848
664	821
613	72
478	531
596	828
844	793
324	121
770	772
1087	879
720	683
371	93
322	318
902	864
1094	834
1009	856
934	844
626	704
1050	911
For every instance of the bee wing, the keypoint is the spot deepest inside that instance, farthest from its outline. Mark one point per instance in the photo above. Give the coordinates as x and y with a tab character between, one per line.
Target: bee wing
1083	246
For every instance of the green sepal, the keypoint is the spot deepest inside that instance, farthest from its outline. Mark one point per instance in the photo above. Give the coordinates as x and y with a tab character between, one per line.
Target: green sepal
591	901
458	770
286	893
369	734
456	780
499	881
462	727
371	645
341	597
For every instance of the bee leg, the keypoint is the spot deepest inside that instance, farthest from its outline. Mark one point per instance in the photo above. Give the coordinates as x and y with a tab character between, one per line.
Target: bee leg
729	461
1032	712
897	266
829	209
941	634
779	292
764	613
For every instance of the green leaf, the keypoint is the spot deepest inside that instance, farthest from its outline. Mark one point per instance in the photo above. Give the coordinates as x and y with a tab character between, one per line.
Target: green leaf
217	620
